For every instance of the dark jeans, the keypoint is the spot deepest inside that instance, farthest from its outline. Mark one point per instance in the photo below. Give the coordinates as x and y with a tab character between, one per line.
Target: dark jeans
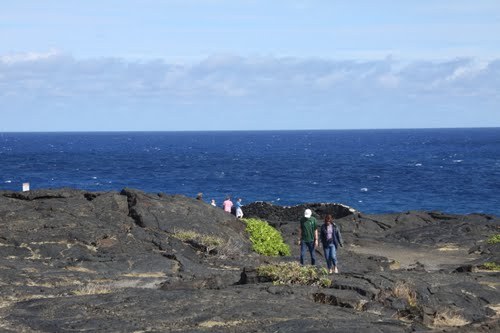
330	255
309	246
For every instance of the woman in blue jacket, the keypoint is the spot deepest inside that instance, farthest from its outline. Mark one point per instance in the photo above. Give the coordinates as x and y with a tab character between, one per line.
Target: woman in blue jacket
331	240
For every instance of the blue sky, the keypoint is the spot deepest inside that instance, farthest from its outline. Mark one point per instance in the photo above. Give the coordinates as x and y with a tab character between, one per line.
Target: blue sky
224	65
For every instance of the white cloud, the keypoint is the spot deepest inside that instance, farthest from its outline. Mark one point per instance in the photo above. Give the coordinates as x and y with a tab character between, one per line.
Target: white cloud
229	81
16	58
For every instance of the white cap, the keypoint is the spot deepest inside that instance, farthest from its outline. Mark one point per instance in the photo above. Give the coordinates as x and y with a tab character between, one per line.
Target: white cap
307	213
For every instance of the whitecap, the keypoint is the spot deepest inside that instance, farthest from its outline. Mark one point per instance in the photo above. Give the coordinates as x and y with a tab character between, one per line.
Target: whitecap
94	177
418	164
363	189
8	181
360	200
458	161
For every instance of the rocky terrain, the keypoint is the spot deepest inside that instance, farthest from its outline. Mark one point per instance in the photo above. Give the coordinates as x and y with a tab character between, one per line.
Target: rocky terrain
77	261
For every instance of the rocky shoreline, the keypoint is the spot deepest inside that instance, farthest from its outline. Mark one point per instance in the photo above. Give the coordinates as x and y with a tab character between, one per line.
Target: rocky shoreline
131	261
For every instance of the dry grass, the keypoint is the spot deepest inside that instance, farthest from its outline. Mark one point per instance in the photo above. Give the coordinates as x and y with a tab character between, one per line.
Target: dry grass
94	289
394	265
57	282
7	301
212	323
494	285
360	305
208	241
79	269
449	248
496	308
35	255
449	318
30	270
294	273
146	275
405	290
228	249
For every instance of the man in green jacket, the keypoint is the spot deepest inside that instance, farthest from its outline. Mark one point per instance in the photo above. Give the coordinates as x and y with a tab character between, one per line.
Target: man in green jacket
308	236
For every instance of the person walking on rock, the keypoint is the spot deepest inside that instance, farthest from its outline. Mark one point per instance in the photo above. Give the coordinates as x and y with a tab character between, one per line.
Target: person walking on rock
331	239
239	211
308	236
227	204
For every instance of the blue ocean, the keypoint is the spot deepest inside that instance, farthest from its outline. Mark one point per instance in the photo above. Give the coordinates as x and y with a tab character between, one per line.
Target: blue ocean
374	171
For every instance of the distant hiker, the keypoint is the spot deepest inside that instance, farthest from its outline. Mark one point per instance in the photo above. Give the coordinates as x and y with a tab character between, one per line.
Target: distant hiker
213	203
199	196
331	240
308	236
227	204
239	211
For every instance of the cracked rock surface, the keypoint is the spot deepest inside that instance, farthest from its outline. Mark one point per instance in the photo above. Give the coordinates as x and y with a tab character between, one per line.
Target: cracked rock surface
73	260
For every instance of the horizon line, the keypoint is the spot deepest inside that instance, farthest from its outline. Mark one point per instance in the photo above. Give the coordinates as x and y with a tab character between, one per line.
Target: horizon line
255	130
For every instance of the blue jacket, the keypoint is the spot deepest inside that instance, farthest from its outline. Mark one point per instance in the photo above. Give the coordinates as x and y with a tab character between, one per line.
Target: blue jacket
337	237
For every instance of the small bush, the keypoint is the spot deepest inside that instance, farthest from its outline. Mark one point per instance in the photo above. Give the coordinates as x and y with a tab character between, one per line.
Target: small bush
491	266
495	239
404	290
294	273
265	239
449	318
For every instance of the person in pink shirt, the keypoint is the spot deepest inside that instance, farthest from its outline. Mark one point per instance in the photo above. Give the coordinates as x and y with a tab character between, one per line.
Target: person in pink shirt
227	204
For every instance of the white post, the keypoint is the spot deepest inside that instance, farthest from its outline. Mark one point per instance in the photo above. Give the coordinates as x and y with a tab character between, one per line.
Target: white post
26	187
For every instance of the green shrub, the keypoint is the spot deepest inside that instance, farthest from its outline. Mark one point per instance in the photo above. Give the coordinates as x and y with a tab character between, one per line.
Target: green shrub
265	239
495	239
491	266
294	273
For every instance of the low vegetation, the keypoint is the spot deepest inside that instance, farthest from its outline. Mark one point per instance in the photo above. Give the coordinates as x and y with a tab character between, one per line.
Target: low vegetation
265	239
294	273
206	242
449	318
93	289
406	291
495	239
491	266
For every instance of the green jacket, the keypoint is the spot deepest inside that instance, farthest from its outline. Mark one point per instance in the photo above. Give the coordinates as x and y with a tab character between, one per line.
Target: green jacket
308	227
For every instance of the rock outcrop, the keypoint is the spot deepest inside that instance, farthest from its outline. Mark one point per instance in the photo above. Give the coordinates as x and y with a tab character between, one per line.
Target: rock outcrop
74	260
